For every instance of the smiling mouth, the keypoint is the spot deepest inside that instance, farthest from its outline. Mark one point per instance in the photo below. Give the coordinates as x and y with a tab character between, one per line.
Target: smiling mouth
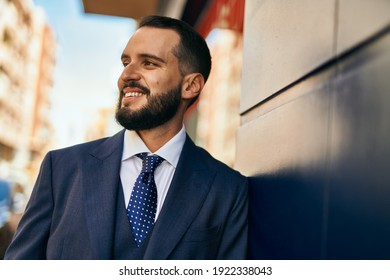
133	94
134	89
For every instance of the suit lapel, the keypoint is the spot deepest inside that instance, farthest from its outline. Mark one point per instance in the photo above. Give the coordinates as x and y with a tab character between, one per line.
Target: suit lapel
189	188
100	181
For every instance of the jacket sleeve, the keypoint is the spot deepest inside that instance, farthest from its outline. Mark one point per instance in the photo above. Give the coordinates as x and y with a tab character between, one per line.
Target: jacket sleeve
31	237
235	237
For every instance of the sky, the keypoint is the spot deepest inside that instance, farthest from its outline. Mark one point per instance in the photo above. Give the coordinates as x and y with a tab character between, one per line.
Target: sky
87	66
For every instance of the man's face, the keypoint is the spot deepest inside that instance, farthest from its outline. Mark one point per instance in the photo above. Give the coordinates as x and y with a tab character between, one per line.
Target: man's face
150	84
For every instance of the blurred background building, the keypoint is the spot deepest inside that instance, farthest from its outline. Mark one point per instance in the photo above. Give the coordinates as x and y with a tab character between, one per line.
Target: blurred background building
27	60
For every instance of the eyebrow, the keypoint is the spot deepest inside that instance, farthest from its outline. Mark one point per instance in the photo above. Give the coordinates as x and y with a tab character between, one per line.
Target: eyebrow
145	55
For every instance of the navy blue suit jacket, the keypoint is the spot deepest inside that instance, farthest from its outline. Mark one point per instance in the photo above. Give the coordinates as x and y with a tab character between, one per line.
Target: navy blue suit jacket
71	210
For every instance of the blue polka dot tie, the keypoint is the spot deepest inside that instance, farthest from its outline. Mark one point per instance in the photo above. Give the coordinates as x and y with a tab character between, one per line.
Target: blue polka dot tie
141	210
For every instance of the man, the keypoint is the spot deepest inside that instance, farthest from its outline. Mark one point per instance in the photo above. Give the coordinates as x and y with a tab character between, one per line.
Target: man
85	203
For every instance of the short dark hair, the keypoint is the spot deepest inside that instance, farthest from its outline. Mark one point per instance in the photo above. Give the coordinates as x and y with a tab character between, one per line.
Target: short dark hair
192	51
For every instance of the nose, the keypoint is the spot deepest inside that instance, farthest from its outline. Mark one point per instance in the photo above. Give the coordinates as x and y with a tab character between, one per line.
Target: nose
130	73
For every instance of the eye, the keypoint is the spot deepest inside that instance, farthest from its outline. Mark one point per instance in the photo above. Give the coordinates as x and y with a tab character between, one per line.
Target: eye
124	63
149	63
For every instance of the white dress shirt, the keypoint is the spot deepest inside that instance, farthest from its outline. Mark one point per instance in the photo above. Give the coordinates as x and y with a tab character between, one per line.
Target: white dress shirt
131	165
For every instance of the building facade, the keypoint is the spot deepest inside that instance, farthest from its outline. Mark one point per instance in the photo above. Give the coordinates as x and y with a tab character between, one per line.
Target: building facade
314	133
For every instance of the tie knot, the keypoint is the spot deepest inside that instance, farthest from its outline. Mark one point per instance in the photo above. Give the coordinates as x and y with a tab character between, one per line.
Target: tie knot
149	163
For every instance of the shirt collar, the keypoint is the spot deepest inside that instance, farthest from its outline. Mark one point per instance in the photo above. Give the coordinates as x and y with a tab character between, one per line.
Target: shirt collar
133	145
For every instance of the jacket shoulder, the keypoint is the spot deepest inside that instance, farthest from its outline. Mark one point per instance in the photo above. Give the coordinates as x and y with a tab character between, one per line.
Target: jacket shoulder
100	147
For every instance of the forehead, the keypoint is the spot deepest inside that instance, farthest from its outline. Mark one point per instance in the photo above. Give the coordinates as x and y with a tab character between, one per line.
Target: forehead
156	41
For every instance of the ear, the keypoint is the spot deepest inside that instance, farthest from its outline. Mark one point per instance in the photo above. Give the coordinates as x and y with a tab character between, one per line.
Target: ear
192	85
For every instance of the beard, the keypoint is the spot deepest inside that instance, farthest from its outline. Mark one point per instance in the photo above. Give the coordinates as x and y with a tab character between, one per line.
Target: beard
159	109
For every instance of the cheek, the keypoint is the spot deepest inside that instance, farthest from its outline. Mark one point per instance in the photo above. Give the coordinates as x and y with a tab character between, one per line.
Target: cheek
164	84
163	81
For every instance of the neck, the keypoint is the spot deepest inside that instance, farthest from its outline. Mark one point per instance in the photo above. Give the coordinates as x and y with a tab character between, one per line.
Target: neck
157	137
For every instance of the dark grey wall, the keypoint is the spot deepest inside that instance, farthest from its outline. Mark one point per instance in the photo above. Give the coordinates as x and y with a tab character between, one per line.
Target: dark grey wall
315	128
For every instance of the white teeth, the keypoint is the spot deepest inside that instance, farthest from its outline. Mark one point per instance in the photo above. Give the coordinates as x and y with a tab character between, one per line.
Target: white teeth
133	94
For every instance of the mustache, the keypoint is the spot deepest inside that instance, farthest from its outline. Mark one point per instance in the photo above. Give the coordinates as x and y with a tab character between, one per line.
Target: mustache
134	84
